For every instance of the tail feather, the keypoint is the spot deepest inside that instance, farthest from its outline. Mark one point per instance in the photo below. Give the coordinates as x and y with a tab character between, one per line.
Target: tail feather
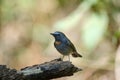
75	54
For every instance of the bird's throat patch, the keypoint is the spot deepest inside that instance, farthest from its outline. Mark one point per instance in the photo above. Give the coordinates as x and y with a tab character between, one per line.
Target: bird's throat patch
57	42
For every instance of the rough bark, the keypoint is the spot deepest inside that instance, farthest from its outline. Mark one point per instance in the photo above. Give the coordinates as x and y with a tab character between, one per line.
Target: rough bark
46	71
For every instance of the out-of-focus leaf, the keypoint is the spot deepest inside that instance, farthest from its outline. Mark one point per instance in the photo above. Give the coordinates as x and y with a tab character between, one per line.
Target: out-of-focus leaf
11	10
94	29
73	19
7	10
117	34
25	4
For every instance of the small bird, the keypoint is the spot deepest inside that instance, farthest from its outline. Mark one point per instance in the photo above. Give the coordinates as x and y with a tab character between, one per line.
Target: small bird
64	45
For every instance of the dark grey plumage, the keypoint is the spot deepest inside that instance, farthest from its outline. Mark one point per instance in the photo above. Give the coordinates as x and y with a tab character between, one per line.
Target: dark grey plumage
64	45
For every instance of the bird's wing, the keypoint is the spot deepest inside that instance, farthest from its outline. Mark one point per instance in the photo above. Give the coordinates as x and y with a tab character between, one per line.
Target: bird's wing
71	45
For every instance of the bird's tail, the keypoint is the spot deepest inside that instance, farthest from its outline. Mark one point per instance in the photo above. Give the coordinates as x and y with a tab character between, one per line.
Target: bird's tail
75	54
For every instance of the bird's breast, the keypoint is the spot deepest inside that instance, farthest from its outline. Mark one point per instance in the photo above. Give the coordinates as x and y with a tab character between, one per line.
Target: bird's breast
63	48
57	42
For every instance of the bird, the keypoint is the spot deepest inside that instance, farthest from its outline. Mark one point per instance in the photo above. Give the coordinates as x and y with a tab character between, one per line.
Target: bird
64	45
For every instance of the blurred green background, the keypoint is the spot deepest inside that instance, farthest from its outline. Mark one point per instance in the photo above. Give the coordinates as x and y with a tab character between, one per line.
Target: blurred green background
92	25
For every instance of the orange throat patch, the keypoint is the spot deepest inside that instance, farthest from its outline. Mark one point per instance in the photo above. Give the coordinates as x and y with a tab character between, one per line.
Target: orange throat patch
57	42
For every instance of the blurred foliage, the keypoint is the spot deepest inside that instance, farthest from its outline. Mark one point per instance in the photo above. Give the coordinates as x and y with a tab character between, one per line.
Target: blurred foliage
92	25
64	3
92	34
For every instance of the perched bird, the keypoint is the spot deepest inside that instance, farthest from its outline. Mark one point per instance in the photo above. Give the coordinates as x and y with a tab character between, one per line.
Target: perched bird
64	45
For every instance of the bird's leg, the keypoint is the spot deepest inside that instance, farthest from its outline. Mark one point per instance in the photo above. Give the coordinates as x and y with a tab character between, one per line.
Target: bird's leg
62	58
69	57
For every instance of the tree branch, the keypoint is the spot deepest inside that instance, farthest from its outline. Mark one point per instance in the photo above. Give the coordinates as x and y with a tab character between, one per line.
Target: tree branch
46	71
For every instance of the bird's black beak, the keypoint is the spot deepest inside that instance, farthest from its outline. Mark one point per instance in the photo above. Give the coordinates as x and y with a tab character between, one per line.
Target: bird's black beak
52	33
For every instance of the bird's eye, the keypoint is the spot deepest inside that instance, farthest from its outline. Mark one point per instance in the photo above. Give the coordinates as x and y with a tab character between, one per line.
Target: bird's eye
58	34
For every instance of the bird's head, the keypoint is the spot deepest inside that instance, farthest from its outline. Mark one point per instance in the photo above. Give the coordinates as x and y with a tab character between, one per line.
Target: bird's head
59	36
